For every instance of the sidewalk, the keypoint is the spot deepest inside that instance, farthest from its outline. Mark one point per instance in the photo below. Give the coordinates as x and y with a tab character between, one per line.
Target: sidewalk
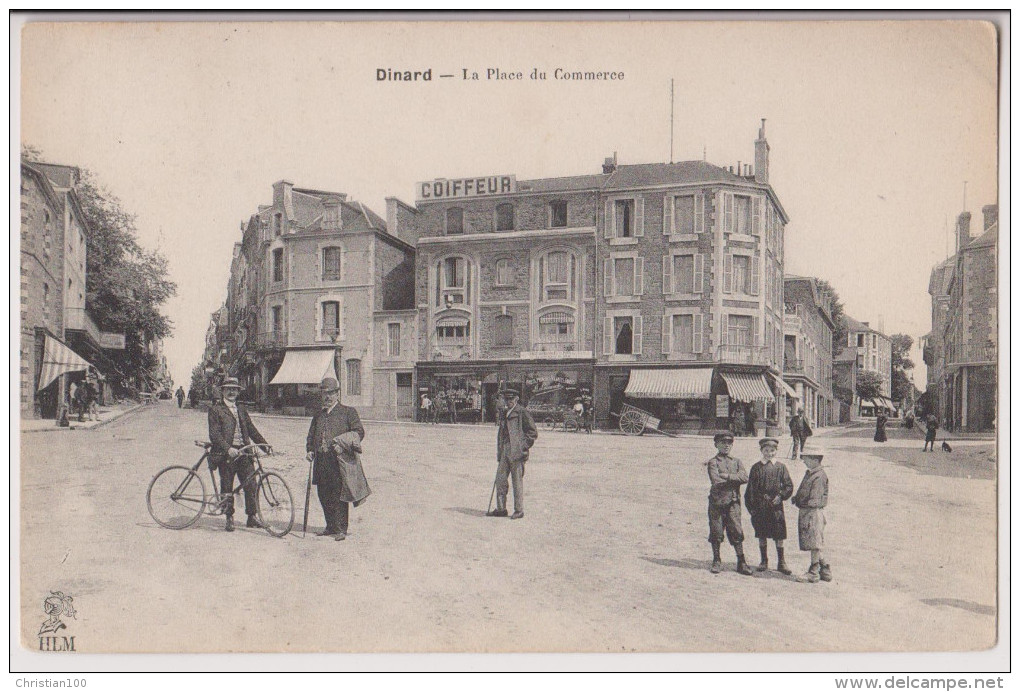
107	414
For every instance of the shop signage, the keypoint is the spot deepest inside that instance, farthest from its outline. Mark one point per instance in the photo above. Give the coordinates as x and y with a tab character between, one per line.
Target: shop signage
722	406
467	187
112	341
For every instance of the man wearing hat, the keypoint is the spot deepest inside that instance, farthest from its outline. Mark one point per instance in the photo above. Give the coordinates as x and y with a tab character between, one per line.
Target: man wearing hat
230	428
332	420
726	474
768	487
517	433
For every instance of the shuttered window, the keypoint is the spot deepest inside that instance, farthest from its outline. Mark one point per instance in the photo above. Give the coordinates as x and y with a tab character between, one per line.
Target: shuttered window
331	263
504	332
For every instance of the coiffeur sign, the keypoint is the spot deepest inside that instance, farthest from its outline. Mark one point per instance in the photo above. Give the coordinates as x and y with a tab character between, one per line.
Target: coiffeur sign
467	187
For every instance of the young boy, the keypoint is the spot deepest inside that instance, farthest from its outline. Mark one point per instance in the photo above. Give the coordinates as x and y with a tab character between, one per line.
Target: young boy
727	474
768	487
811	498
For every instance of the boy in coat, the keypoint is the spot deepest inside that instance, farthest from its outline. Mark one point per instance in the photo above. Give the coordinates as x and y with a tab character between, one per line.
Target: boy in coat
811	498
768	487
517	433
726	474
333	420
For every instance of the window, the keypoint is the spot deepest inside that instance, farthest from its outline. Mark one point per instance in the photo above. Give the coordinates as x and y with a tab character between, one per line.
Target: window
860	340
623	331
393	339
624	276
683	334
623	269
556	276
683	214
742	274
331	263
505	217
354	377
558	214
874	341
504	335
277	224
503	272
683	274
330	319
623	218
278	264
453	333
277	321
741	330
404	394
453	284
556	327
454	221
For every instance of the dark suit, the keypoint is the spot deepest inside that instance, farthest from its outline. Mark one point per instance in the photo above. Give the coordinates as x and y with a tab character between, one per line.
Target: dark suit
221	434
327	477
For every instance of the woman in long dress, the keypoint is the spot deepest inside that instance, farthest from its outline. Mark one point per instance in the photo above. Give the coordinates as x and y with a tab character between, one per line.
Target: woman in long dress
880	427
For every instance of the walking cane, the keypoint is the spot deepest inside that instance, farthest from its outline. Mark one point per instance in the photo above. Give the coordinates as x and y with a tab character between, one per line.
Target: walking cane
308	496
491	495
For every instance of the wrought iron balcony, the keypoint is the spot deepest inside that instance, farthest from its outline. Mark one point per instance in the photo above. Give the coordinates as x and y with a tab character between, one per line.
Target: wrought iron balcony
743	355
793	365
274	339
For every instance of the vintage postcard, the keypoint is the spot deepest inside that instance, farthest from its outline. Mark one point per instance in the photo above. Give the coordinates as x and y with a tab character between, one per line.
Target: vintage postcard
611	335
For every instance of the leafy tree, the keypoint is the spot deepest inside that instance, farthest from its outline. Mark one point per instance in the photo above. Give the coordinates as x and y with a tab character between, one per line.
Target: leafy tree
902	365
869	384
836	312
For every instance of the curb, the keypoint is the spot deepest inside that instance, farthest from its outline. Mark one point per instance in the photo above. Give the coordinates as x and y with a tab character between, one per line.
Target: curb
100	424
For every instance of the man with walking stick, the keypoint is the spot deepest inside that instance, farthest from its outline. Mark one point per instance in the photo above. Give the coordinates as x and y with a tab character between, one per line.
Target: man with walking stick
517	433
332	421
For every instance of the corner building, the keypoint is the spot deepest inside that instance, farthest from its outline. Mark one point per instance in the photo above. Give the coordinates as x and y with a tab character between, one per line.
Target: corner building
691	294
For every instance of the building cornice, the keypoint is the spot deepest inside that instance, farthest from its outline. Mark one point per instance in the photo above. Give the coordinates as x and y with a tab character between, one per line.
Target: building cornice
577	231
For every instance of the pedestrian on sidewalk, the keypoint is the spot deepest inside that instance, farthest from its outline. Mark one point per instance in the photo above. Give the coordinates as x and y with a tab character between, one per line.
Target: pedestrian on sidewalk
880	423
91	397
726	474
331	422
230	428
514	439
426	409
768	487
811	498
800	431
932	427
180	397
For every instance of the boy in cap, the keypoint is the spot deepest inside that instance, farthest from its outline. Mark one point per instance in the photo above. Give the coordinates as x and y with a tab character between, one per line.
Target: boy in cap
811	498
727	474
768	487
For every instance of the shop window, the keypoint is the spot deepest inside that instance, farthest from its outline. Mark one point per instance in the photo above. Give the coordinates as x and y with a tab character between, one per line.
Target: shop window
504	333
454	221
503	275
354	377
330	319
278	264
331	263
558	214
505	217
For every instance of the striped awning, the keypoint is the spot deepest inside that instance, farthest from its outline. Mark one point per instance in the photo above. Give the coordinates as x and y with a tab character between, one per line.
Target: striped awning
790	391
58	359
680	383
747	388
305	367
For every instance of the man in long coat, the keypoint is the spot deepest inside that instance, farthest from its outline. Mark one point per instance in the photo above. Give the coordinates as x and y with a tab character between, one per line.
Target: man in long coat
768	487
333	420
230	428
800	430
517	433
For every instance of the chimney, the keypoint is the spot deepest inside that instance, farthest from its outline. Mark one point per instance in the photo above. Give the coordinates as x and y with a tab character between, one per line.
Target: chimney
991	214
609	165
962	230
283	197
331	220
761	156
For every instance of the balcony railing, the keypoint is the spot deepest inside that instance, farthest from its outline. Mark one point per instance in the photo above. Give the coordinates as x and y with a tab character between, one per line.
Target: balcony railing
743	355
273	339
793	365
973	353
80	320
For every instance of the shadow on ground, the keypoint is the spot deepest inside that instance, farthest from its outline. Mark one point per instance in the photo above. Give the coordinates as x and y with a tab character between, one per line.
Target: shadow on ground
960	603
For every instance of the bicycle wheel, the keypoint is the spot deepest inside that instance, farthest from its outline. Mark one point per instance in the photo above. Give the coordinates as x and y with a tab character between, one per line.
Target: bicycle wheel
570	424
176	497
275	504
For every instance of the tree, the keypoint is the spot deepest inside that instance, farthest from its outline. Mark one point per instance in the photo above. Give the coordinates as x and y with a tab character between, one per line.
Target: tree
836	313
869	384
902	365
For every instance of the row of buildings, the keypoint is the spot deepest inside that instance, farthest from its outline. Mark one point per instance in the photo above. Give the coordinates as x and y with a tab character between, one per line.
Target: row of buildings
60	342
961	348
661	286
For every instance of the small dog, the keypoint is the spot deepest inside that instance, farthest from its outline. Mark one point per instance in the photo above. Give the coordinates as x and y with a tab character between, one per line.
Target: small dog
946	447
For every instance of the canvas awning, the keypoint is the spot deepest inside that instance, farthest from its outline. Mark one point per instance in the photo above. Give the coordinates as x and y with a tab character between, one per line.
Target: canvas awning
679	383
58	359
747	388
790	391
305	367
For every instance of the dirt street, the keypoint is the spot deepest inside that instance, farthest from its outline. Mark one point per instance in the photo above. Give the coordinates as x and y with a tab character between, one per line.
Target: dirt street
611	556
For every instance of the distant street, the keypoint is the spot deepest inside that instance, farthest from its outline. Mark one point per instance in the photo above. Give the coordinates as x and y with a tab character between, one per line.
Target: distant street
611	556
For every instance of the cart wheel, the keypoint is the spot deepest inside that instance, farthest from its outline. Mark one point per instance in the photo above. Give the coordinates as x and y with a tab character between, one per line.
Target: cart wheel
631	423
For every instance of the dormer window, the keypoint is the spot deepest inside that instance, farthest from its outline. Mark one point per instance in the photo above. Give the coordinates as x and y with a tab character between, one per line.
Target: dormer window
505	217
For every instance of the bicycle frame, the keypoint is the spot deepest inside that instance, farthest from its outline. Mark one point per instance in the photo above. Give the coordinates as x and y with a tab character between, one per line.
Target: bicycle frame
250	451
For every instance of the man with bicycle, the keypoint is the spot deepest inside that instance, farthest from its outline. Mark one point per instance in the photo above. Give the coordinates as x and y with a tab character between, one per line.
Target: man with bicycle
230	428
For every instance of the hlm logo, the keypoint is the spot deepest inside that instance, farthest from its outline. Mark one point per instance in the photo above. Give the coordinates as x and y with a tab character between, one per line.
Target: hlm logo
56	606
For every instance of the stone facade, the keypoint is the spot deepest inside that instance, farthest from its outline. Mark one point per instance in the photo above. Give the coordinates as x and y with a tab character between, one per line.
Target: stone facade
807	355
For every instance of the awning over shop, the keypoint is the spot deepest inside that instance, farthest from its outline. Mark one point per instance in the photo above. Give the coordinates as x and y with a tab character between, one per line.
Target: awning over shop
680	383
305	367
882	402
57	360
747	388
790	391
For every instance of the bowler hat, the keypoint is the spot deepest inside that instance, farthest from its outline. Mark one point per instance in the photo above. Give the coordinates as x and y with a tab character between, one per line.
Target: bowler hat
719	437
329	384
511	392
768	441
230	382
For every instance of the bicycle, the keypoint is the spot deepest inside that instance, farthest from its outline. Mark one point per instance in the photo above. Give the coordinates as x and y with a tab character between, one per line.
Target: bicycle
177	498
568	421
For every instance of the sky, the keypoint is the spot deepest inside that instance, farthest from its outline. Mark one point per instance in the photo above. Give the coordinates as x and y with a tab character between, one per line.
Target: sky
873	127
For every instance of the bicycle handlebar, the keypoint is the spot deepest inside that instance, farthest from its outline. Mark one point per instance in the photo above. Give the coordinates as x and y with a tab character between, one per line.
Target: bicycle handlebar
247	449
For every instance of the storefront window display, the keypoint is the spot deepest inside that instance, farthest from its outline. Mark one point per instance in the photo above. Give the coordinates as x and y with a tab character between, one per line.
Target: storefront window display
550	393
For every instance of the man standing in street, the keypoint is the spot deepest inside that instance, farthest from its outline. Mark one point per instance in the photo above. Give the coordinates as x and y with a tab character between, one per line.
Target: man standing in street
726	475
230	428
180	397
517	433
800	430
333	420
